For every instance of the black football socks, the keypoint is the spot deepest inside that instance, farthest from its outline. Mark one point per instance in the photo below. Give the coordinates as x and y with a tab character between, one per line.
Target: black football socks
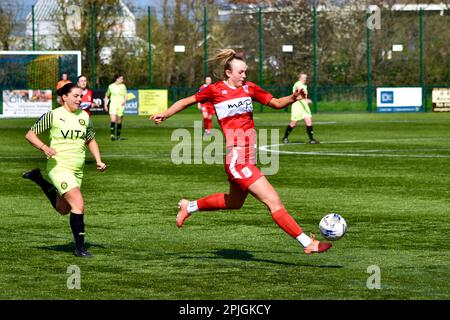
309	130
287	132
119	129
113	129
48	188
77	226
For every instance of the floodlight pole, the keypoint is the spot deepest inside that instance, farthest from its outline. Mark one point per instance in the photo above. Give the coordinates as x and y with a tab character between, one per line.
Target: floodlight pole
205	41
369	84
150	71
260	46
32	26
261	108
92	46
422	75
315	59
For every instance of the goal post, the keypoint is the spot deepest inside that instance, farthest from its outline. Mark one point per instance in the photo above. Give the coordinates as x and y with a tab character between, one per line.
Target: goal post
37	69
24	73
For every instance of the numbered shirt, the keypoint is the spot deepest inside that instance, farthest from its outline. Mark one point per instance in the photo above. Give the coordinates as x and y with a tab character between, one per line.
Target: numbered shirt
234	109
69	133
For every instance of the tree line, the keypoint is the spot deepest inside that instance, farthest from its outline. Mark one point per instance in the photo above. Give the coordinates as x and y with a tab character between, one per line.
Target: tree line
340	53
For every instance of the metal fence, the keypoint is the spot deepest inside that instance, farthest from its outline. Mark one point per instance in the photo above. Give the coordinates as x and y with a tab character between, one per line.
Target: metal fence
347	51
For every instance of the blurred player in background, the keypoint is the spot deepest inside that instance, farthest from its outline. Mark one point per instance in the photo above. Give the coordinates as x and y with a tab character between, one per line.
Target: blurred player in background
87	98
61	83
64	80
207	109
232	99
70	131
115	99
300	110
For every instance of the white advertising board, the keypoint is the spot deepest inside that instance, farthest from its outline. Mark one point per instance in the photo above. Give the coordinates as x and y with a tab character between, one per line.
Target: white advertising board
390	99
26	103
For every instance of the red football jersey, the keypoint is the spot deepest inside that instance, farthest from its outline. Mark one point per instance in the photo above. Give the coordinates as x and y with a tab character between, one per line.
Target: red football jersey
234	109
86	101
206	106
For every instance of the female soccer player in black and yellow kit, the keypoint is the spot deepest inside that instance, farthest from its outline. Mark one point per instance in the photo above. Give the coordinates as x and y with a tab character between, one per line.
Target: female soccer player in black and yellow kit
70	132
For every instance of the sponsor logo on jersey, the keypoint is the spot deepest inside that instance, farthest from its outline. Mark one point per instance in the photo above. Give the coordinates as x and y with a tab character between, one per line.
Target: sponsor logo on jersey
234	106
240	103
224	92
73	134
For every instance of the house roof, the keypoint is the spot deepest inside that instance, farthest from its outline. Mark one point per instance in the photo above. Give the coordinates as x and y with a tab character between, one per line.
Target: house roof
44	10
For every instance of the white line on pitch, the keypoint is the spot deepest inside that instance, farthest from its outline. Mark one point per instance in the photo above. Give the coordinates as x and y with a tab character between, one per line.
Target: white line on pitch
363	153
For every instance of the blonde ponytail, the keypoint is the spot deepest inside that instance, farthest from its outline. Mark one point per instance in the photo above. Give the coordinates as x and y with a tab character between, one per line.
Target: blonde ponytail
224	57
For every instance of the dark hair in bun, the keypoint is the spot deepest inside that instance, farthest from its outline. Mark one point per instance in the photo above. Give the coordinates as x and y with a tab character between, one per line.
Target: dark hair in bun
65	89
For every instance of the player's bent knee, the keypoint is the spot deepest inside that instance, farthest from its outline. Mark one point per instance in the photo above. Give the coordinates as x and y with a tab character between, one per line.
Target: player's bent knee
64	212
62	206
77	208
274	204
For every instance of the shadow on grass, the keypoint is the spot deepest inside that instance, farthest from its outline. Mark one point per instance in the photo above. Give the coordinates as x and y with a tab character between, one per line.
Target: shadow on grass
243	255
69	247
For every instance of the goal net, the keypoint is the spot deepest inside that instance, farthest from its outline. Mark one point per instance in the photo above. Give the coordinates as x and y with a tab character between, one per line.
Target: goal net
27	74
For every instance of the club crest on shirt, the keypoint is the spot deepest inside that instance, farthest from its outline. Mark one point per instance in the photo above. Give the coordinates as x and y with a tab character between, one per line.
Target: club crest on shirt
63	185
82	122
224	92
245	87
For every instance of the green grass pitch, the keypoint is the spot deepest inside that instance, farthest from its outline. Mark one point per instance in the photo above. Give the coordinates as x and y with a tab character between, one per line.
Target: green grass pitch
387	174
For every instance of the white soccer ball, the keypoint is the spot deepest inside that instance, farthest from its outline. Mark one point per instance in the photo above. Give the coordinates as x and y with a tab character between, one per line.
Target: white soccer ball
333	226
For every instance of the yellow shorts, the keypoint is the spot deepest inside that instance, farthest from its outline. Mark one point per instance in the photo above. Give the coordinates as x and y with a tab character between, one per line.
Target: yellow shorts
300	111
65	180
117	110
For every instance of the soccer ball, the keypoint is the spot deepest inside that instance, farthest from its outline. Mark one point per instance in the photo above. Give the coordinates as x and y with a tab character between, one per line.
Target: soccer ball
333	226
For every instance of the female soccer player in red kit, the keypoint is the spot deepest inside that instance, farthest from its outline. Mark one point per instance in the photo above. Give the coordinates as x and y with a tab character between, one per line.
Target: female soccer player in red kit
232	100
206	108
87	99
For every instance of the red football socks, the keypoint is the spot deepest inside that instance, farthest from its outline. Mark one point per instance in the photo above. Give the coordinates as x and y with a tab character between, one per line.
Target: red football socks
212	202
207	123
287	223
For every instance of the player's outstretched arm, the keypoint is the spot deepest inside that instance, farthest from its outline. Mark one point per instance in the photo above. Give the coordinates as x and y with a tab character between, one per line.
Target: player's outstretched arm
175	108
280	103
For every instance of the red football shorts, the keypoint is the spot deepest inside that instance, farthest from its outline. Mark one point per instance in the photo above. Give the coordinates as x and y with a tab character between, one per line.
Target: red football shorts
208	108
241	168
